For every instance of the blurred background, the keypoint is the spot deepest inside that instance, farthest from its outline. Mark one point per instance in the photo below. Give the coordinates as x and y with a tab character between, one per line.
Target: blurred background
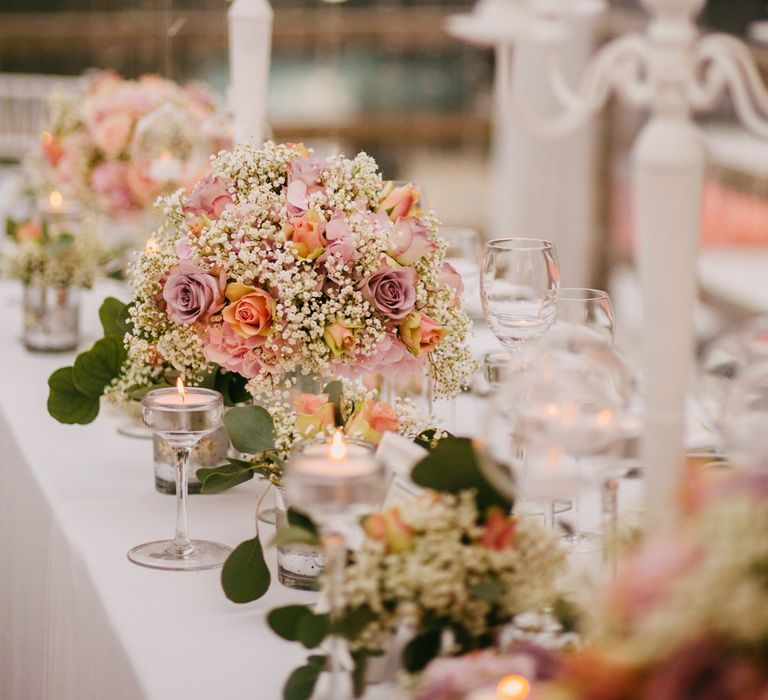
385	77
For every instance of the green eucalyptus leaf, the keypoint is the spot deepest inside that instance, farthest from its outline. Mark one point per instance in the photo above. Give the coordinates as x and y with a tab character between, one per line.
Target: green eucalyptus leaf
293	535
223	477
421	650
453	466
66	403
360	659
299	519
334	390
245	575
114	316
60	245
97	367
354	621
297	623
487	590
251	429
232	387
11	227
301	683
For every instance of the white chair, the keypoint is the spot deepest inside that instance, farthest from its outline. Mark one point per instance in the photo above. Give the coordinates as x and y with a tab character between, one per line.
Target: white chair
22	109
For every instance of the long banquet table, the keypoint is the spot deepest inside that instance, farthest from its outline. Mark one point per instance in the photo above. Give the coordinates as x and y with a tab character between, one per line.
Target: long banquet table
78	621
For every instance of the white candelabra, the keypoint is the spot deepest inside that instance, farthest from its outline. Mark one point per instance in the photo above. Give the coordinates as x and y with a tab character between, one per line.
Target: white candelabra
673	71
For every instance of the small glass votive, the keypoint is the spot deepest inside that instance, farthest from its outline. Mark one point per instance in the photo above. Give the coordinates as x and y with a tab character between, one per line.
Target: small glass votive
51	317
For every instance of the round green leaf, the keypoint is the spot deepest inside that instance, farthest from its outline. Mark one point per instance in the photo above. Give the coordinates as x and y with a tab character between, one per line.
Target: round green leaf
251	429
301	683
245	576
113	315
66	403
96	368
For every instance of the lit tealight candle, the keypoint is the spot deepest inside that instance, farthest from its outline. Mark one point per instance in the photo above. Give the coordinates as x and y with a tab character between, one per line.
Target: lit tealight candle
511	687
166	168
336	459
182	411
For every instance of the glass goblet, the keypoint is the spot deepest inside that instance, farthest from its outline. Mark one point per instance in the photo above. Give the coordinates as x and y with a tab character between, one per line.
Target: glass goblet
516	275
588	312
335	484
181	417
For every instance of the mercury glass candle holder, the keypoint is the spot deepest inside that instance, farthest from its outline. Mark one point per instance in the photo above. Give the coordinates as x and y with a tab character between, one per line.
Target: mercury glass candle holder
335	484
181	417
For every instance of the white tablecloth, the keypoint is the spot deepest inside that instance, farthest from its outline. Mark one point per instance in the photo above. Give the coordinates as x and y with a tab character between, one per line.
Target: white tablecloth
78	621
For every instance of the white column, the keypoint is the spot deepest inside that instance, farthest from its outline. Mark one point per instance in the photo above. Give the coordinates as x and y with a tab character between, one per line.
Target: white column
543	187
668	172
250	41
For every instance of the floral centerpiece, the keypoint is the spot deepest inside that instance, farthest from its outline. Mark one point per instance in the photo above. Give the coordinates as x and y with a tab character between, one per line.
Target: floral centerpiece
686	618
39	254
86	148
451	567
279	265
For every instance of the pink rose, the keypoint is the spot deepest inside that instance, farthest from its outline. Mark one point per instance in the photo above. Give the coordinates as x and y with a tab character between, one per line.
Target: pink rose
449	277
192	294
142	188
222	346
391	292
109	180
391	359
314	414
370	420
398	202
210	197
303	181
340	339
111	134
420	333
306	234
251	310
409	241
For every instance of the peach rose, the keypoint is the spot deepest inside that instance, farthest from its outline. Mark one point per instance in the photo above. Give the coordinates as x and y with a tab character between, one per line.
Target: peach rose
390	528
314	414
111	134
307	234
419	333
499	531
251	310
371	420
340	338
28	232
398	202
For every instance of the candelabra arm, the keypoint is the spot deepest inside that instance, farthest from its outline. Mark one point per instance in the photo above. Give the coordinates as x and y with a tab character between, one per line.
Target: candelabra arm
621	66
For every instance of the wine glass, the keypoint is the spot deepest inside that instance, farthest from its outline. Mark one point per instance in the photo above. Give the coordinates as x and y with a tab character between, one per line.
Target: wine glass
586	312
744	420
516	275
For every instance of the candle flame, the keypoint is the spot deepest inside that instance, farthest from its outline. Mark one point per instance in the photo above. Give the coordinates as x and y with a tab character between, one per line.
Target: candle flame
181	388
338	447
513	688
56	200
151	246
605	418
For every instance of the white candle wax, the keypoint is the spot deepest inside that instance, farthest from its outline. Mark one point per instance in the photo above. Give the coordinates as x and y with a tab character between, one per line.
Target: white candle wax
189	399
165	169
316	460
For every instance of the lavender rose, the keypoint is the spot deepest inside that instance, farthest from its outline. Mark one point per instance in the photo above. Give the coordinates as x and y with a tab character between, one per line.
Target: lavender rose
391	292
192	294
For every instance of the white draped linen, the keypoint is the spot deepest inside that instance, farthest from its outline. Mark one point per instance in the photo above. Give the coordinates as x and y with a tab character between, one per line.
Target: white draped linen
78	621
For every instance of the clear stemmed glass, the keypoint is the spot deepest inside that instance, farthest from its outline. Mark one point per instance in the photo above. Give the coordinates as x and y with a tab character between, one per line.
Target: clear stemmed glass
335	484
516	275
589	312
181	417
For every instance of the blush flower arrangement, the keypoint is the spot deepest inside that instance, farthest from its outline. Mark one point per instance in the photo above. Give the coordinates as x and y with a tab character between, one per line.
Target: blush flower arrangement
36	253
686	616
86	148
280	264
